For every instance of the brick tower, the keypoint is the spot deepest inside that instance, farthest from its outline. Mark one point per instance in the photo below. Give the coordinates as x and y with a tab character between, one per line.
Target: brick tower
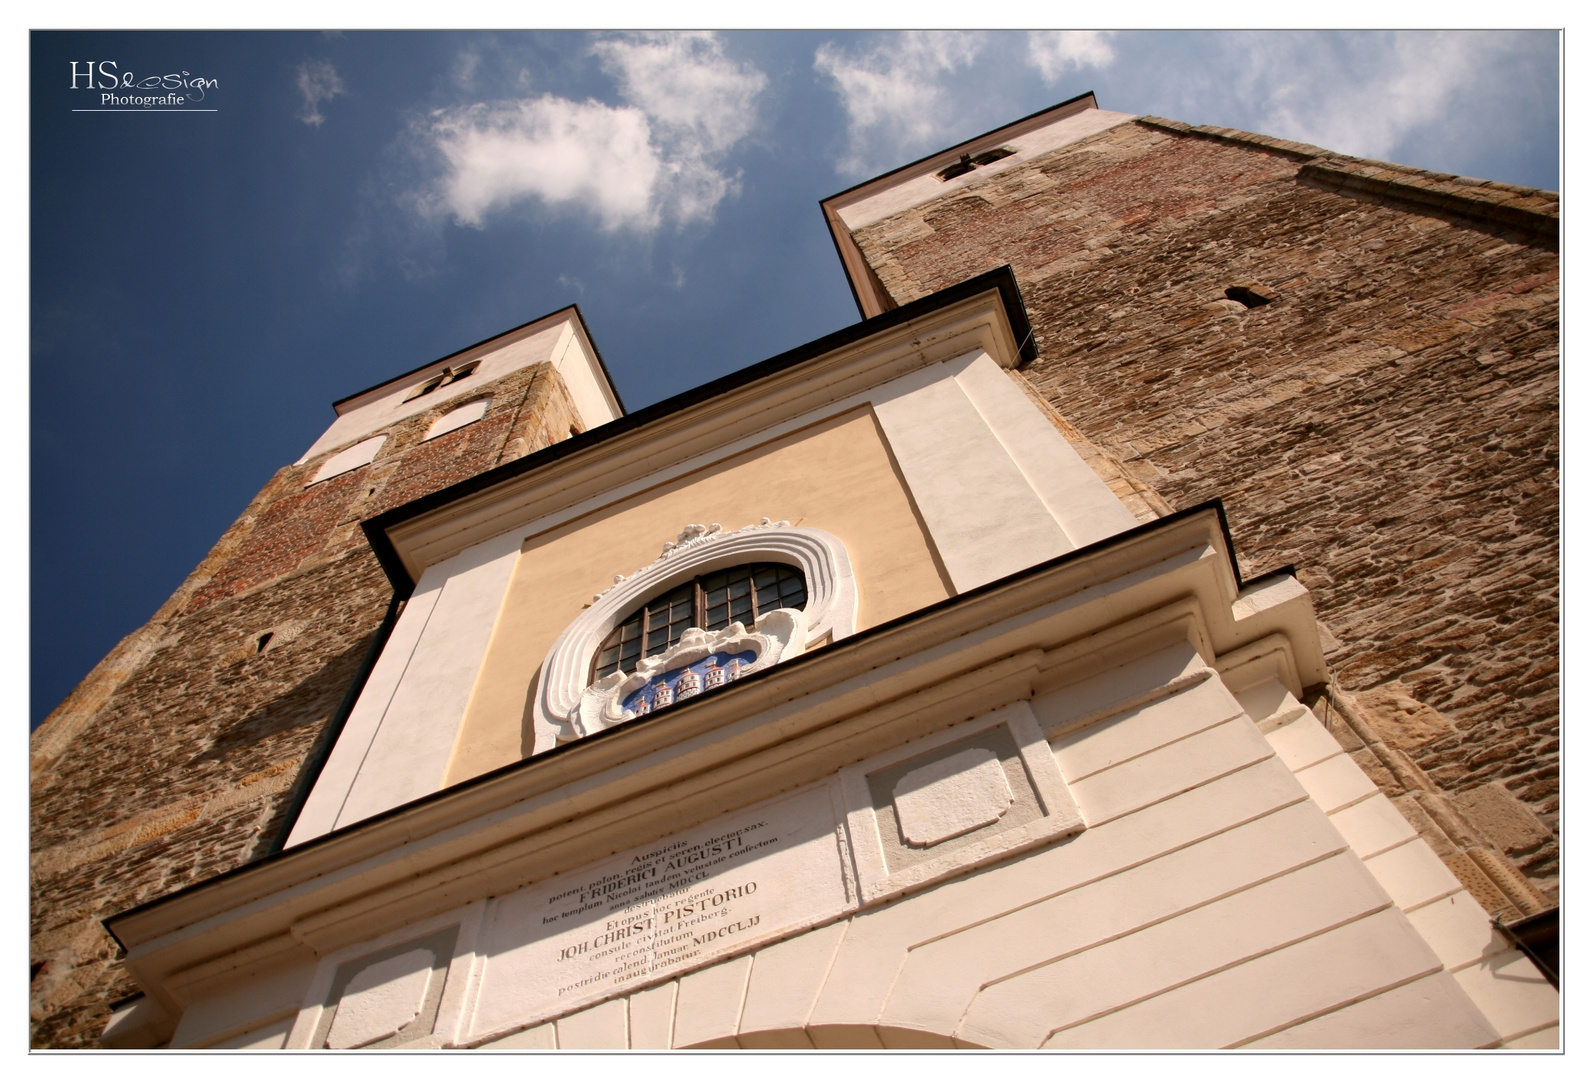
1360	358
185	751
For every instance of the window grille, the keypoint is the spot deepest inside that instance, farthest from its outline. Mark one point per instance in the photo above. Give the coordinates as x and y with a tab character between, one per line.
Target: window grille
712	601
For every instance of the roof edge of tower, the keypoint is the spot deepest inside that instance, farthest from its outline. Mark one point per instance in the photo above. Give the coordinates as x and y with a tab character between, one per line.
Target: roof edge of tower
1068	107
1001	279
579	319
869	293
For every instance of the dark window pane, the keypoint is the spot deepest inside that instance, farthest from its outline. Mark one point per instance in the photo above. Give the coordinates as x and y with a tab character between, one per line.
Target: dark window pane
738	594
779	586
620	647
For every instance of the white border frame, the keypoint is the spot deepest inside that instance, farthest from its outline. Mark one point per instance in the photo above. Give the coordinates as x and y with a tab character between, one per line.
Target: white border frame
1060	814
457	993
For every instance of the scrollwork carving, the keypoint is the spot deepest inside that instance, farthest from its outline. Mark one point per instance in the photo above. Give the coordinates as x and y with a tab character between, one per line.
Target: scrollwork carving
779	635
559	708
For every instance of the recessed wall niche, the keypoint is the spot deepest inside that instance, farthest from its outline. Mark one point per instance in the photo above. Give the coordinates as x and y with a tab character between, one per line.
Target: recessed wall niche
459	417
359	454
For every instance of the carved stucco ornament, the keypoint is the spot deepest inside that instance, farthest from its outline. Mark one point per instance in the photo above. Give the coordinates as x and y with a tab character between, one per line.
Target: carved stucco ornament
568	706
779	635
689	537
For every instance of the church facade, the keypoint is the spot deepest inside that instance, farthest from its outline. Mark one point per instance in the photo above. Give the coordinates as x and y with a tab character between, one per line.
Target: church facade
1098	645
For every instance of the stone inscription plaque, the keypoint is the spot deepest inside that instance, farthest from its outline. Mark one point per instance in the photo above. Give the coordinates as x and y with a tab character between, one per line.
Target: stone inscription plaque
644	915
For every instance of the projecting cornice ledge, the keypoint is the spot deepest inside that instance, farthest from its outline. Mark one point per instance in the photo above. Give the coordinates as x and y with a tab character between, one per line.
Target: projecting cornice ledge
1043	629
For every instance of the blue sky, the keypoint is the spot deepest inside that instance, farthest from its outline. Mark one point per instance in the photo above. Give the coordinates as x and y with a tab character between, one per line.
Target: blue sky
204	285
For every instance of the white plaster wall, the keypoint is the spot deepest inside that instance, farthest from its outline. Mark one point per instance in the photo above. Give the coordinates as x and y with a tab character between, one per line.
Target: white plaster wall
271	1036
1210	903
984	518
577	364
997	486
255	1012
1499	980
1232	888
1083	504
399	737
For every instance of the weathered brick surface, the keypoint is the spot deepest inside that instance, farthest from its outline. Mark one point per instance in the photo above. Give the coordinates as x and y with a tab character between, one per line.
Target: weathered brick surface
1388	424
177	759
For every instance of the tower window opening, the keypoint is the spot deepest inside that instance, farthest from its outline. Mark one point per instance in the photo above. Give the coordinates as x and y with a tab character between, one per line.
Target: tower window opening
426	387
1250	296
960	168
968	162
988	157
448	375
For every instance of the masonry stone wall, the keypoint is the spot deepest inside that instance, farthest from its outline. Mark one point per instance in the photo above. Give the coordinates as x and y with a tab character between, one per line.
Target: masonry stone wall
178	757
1387	422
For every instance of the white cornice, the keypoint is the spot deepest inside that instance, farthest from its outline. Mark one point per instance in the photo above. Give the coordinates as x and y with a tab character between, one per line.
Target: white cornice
706	432
1063	622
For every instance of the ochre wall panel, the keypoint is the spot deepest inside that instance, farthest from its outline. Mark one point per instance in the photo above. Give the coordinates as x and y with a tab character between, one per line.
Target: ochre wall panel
837	475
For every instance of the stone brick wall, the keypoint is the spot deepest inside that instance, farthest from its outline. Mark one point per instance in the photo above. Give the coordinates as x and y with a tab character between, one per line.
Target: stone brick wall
1388	422
177	758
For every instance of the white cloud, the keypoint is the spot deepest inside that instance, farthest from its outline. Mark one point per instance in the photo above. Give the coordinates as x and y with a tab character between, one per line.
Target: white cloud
894	94
1056	52
317	81
686	85
658	157
1363	94
550	148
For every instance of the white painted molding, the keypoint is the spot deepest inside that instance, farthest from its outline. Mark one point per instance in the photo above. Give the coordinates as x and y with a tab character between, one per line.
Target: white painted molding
1058	814
830	602
461	974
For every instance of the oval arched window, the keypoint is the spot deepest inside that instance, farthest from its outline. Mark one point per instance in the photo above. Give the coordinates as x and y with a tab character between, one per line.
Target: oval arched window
711	602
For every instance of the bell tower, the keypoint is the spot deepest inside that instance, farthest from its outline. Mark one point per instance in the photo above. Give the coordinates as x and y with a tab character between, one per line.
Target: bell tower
189	749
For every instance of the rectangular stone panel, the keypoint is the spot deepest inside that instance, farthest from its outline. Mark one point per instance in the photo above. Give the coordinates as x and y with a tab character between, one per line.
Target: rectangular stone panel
967	796
642	916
